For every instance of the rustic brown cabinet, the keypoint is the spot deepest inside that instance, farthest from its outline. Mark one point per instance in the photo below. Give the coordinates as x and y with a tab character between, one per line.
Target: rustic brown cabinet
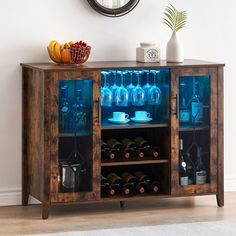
45	143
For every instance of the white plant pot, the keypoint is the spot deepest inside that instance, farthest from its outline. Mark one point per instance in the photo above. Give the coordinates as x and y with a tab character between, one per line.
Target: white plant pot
174	49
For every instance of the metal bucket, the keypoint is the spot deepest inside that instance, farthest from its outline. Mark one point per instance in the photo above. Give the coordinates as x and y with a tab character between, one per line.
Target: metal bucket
70	176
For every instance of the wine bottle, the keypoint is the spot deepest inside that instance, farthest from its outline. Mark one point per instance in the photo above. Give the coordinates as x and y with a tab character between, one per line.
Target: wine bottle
149	150
131	145
152	186
106	186
126	153
64	110
190	169
114	144
183	174
201	173
196	104
184	111
107	152
118	183
130	179
119	149
79	112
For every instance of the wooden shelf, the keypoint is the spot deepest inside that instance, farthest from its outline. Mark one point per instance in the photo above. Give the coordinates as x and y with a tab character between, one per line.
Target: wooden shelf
135	196
133	162
191	128
132	125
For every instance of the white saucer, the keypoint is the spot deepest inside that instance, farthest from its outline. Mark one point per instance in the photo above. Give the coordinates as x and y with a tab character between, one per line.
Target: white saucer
118	121
148	119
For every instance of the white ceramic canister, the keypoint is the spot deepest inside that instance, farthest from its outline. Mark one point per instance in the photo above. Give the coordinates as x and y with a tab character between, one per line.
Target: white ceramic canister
148	52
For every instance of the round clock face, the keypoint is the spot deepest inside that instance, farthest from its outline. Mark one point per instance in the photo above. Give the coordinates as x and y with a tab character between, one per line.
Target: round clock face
113	8
152	54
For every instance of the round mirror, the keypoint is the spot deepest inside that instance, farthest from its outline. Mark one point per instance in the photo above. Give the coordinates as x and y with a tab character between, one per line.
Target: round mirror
113	7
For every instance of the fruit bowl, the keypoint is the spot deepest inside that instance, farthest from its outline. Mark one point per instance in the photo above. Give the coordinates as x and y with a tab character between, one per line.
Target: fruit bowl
69	53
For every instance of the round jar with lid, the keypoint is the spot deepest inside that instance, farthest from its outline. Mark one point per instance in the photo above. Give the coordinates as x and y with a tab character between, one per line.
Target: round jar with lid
148	52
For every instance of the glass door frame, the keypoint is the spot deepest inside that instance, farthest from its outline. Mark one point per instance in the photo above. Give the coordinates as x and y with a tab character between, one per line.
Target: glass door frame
211	187
56	195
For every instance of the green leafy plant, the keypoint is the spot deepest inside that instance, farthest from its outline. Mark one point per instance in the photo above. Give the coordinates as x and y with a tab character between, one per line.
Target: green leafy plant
174	19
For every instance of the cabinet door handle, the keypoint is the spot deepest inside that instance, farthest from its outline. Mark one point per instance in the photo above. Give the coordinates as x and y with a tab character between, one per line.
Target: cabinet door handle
177	106
98	110
176	112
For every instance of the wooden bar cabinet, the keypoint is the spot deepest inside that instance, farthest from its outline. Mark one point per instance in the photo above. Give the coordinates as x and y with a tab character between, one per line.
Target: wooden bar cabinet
64	119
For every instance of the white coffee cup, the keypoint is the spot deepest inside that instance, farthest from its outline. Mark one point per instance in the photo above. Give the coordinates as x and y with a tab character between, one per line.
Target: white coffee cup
120	116
142	115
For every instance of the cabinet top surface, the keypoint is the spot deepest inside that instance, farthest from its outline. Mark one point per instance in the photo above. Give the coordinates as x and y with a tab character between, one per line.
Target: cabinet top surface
118	64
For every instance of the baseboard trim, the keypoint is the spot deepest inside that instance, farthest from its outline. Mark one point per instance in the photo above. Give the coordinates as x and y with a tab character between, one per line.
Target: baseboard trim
11	197
230	184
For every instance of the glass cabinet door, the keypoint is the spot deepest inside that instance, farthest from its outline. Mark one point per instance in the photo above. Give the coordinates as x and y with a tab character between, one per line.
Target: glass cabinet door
77	140
75	135
195	160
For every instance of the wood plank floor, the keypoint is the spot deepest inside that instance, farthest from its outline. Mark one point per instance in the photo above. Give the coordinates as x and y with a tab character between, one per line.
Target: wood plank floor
27	220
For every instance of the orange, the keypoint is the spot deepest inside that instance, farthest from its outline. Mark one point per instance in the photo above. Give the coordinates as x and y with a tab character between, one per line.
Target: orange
66	56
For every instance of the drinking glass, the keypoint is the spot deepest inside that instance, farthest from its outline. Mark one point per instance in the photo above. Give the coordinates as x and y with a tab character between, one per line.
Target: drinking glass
106	94
122	94
147	86
114	87
154	93
130	87
138	94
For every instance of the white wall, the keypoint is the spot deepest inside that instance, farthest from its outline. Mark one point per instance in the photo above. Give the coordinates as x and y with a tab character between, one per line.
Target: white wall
27	27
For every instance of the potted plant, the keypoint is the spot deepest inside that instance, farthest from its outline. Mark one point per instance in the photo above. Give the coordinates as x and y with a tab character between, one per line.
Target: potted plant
175	20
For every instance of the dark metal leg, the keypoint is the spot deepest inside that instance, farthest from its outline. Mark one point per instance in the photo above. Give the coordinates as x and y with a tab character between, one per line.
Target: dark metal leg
122	204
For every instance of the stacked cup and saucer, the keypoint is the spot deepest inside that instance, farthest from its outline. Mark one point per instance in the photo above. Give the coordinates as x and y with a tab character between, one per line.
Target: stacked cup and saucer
142	117
119	118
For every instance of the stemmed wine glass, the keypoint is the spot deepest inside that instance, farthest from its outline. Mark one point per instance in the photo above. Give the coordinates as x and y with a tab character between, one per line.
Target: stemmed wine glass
122	94
114	87
147	86
154	93
106	93
138	94
130	87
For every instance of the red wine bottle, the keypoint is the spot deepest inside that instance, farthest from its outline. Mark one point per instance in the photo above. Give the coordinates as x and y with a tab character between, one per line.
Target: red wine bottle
131	145
131	180
106	187
118	183
149	150
119	149
152	186
107	153
114	144
126	153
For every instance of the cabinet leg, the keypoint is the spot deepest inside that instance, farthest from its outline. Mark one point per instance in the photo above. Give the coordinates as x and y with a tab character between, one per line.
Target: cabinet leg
220	199
24	198
45	210
122	204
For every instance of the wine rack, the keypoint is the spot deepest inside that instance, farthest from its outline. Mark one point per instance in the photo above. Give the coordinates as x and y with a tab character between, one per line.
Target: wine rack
69	110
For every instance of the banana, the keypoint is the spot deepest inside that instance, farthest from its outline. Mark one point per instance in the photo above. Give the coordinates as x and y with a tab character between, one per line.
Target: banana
51	50
57	51
70	43
51	45
66	45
